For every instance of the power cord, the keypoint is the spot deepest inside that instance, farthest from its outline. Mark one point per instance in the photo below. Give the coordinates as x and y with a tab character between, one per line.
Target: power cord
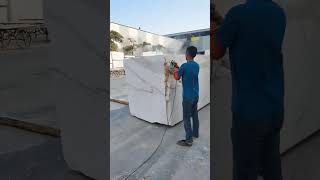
164	133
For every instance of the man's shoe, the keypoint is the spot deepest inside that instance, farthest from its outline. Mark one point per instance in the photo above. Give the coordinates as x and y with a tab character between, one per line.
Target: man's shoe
185	142
196	136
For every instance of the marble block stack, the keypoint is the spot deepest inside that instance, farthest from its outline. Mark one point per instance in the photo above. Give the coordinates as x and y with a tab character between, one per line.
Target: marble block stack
155	96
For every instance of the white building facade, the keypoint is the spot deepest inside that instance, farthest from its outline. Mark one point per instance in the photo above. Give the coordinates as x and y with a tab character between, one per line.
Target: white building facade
20	10
140	36
198	38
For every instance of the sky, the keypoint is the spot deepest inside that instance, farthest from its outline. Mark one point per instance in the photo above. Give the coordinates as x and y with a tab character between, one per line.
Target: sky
161	16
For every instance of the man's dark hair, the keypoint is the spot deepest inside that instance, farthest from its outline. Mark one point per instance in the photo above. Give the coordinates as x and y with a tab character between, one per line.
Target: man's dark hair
192	51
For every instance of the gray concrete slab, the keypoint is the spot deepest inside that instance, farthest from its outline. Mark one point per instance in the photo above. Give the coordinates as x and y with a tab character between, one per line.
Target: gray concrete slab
12	139
115	106
304	161
29	156
133	140
24	86
119	88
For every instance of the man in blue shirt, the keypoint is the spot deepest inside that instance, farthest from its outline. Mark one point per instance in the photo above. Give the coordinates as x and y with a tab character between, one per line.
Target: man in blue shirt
253	32
189	72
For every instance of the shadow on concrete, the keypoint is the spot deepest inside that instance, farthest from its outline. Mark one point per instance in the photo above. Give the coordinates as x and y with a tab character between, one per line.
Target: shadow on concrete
33	157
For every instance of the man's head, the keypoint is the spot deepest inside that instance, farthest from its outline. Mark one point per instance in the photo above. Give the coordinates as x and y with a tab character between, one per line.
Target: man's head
191	52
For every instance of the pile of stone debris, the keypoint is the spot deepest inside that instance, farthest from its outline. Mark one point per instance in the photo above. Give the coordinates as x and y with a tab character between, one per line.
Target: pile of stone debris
116	73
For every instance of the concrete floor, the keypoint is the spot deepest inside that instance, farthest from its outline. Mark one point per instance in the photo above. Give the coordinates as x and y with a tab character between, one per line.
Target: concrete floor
24	92
303	162
119	88
24	86
29	156
133	140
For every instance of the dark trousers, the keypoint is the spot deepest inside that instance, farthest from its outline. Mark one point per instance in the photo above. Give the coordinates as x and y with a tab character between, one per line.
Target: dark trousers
190	110
256	142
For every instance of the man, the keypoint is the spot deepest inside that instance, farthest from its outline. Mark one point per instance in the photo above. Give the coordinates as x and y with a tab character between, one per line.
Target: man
253	32
189	72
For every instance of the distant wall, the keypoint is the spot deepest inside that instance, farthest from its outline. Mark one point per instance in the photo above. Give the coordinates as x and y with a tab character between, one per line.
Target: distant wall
15	10
3	11
142	36
3	15
201	42
25	9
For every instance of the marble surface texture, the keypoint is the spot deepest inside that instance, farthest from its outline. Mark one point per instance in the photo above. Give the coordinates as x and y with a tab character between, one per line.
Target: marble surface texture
156	97
79	82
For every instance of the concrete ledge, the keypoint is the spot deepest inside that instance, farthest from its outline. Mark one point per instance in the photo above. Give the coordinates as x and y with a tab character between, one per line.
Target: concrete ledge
120	101
30	126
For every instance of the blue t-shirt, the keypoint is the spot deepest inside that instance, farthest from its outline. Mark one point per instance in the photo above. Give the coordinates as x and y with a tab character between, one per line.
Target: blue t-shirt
189	72
254	33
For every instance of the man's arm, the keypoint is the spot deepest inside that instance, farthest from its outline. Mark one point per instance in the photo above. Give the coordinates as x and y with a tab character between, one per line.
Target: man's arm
178	72
218	51
224	35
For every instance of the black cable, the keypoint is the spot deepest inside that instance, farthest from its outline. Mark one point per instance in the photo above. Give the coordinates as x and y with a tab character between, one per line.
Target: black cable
164	133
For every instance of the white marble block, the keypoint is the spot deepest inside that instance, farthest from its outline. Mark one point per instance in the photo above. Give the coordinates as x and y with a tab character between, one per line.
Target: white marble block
116	60
152	53
156	97
78	68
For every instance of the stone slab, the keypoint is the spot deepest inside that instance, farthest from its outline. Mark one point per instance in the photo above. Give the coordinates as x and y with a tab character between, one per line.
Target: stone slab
155	97
25	155
119	88
25	86
80	85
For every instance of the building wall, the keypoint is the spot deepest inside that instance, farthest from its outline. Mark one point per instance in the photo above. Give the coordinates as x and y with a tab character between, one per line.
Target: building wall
3	15
203	43
16	10
201	40
3	11
22	9
140	36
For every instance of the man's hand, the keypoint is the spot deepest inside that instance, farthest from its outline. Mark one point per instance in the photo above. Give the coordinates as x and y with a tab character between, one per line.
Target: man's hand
175	65
176	73
218	51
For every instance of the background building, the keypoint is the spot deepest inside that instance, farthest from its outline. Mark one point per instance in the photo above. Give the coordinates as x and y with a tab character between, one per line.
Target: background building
20	10
138	37
137	42
198	38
